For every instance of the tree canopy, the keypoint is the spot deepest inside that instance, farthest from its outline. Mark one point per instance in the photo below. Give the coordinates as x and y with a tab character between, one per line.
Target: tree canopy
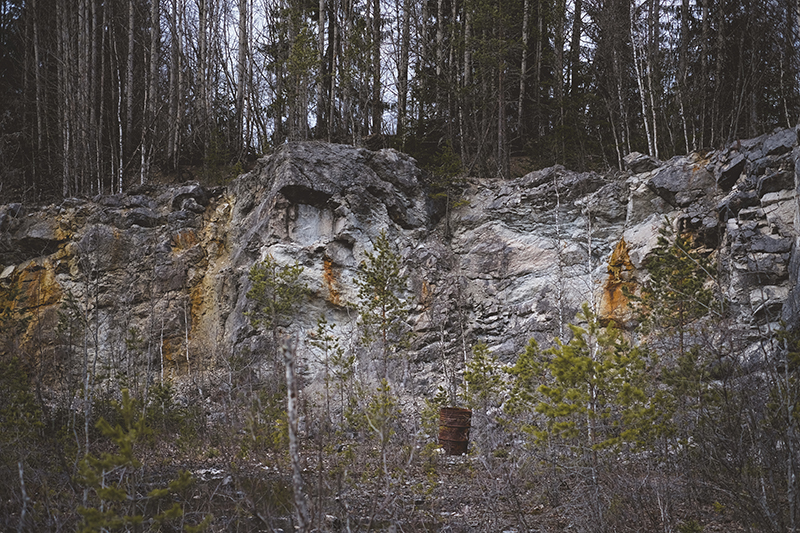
105	95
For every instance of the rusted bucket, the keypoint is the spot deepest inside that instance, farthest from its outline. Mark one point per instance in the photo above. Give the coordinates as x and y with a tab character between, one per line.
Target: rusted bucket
454	424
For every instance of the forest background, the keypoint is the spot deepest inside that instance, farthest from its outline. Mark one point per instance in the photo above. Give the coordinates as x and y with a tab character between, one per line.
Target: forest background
102	95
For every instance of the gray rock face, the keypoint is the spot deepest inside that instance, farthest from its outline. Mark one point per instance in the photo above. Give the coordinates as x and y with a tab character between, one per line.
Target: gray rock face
638	163
510	261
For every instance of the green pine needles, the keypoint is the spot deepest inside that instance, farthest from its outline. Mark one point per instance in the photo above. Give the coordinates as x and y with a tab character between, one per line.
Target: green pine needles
277	291
112	498
595	393
383	306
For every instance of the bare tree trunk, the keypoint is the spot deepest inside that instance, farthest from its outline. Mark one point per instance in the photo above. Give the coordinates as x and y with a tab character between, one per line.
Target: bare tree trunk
523	69
377	106
637	60
439	55
452	74
100	134
179	104
129	81
294	89
704	71
333	30
173	84
402	71
502	156
502	142
652	60
683	54
538	67
280	127
716	119
66	96
466	81
202	77
240	77
119	155
151	98
321	104
87	97
347	100
558	67
39	89
93	103
302	514
575	47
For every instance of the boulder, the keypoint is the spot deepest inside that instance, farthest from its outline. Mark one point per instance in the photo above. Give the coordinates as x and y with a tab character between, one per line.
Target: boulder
639	163
730	171
680	181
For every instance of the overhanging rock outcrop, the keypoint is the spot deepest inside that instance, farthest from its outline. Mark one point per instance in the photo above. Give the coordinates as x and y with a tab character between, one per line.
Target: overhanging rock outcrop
160	275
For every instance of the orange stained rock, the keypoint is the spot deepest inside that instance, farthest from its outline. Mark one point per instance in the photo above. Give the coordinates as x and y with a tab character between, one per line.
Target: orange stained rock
39	286
184	240
614	302
34	293
426	297
330	277
196	303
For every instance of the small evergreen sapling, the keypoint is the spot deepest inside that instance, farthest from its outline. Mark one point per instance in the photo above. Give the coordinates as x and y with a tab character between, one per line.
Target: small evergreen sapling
338	367
525	376
383	306
277	291
482	389
483	379
111	479
594	396
677	294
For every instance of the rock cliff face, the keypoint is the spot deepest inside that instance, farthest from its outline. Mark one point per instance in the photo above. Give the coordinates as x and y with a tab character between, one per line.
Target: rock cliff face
158	278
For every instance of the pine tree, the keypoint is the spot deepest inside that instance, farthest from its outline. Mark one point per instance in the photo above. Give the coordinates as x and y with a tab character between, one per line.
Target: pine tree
595	395
482	388
383	305
111	479
526	376
483	379
678	293
276	293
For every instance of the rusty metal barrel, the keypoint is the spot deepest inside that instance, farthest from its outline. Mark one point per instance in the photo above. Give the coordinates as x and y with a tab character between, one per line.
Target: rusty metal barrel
454	424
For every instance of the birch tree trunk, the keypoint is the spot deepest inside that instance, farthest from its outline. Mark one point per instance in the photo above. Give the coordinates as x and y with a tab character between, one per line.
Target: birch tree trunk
652	61
129	80
639	78
302	515
377	107
402	71
151	97
523	69
683	53
321	104
241	64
